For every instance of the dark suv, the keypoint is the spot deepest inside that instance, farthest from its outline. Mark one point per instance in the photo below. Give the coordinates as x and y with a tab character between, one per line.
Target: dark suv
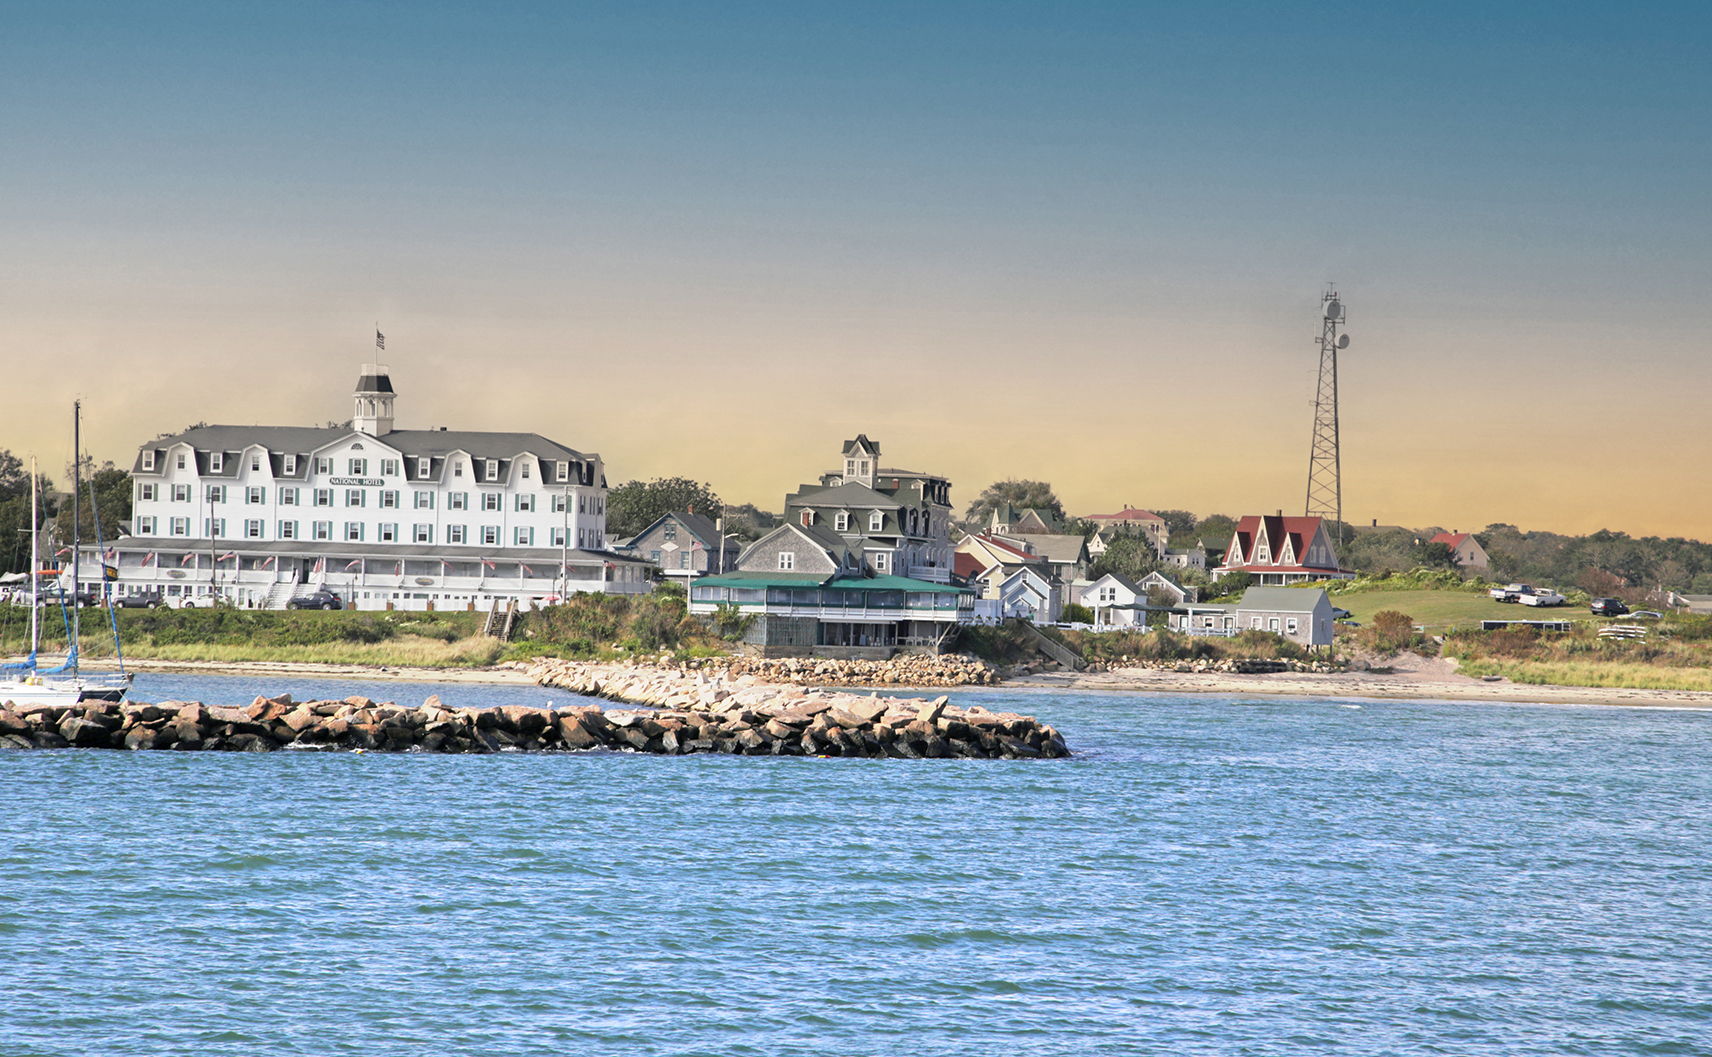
1608	607
141	600
316	600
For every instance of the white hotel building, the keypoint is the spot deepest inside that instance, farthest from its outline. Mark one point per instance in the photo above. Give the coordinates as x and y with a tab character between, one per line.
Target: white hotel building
407	519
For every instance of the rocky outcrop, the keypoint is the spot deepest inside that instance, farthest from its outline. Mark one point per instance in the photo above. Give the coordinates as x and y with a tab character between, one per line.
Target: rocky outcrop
747	720
912	670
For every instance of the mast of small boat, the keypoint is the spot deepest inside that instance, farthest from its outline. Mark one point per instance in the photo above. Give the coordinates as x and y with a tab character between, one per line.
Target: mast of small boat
35	561
76	529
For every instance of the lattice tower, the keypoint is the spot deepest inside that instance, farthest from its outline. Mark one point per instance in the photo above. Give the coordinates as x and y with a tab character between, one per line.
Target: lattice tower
1325	490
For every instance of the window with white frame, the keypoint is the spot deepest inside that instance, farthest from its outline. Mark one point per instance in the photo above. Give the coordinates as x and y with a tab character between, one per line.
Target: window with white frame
787	560
216	462
525	536
255	496
253	529
670	531
353	531
1290	625
526	501
146	491
145	526
324	465
181	493
358	467
558	536
181	526
850	467
457	500
490	535
490	501
356	497
148	460
425	500
323	497
562	472
458	468
389	467
808	518
841	521
424	533
214	527
323	530
523	469
1272	624
582	504
288	530
882	561
560	501
492	469
216	493
389	499
288	496
454	533
876	521
288	463
255	462
389	533
181	460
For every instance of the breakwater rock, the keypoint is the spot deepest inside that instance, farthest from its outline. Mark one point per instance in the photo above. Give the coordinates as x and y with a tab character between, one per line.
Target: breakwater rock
751	722
903	670
820	722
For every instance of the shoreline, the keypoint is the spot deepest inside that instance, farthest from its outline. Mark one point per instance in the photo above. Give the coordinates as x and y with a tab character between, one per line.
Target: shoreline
1422	684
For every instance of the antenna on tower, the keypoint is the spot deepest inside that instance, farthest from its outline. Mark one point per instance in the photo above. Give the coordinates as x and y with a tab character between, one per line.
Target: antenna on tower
1325	491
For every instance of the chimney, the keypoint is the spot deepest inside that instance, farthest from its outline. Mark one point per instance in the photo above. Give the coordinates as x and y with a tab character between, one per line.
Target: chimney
1375	522
1280	513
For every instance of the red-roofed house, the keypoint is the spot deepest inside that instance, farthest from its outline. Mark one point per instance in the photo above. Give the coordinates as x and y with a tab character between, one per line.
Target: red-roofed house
1279	550
1469	554
991	558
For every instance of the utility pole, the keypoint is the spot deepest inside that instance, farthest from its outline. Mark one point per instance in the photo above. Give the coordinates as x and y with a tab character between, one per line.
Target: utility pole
1325	489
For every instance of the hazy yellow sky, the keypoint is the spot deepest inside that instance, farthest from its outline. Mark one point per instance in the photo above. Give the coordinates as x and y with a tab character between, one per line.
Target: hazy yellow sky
1086	249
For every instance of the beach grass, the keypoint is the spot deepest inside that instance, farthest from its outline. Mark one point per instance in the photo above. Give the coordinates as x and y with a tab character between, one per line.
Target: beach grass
1617	675
411	651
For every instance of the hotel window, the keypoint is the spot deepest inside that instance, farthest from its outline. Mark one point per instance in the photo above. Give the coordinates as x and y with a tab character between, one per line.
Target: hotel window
524	469
454	533
148	460
216	462
525	536
424	467
181	526
389	533
214	526
562	472
582	504
323	497
253	529
582	537
425	500
560	502
526	501
424	533
842	520
389	467
787	560
359	467
457	500
255	463
490	501
289	464
559	537
490	535
288	530
458	469
288	497
145	526
255	496
181	460
323	530
876	521
600	505
492	469
216	493
671	530
324	465
389	499
353	531
926	522
145	492
355	497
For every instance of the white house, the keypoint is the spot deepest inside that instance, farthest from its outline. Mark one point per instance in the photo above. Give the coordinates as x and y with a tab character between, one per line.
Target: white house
407	519
1027	594
1111	591
1302	615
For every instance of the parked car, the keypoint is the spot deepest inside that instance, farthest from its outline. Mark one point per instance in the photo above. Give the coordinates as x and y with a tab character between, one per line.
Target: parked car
1541	596
1340	613
1510	592
316	600
1647	614
1608	607
146	600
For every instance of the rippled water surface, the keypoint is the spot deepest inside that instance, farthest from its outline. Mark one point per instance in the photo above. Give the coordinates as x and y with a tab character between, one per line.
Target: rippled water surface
1205	877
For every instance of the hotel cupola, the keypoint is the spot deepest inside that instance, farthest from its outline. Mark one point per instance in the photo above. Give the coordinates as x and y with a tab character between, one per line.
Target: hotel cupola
374	401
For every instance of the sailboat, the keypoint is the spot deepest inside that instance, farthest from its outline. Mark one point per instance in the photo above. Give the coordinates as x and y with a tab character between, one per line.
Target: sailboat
24	683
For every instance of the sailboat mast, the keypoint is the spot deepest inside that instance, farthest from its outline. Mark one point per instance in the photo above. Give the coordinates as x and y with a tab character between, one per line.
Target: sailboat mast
35	560
76	529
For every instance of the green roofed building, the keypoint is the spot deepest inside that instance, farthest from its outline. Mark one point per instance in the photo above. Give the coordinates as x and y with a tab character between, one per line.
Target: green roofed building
841	615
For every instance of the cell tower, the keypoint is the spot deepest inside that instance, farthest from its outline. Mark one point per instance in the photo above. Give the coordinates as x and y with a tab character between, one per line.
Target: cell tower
1325	491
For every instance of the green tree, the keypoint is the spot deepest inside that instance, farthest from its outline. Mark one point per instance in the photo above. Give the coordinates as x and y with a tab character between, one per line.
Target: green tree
1180	523
1216	529
634	505
1024	495
112	488
1130	556
747	521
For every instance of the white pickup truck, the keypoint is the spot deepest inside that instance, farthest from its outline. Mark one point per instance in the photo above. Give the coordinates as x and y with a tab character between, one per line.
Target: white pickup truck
1540	596
1510	592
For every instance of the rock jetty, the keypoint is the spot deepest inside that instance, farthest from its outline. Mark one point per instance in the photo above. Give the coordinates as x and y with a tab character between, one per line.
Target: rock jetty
745	720
905	670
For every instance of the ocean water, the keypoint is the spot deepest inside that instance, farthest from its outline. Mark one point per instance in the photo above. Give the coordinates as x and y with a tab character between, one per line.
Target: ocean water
1206	876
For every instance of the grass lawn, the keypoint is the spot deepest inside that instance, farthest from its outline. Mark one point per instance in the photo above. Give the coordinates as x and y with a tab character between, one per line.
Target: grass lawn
1441	609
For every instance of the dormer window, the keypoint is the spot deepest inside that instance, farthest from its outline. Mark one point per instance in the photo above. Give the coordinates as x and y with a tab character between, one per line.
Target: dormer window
424	467
148	460
564	472
525	469
458	469
493	469
808	519
876	521
255	463
842	520
216	462
181	460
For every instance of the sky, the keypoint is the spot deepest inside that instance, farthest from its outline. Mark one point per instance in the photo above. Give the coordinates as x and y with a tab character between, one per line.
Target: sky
1080	243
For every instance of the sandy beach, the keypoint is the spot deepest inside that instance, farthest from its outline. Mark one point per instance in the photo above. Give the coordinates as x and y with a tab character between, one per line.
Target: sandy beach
510	675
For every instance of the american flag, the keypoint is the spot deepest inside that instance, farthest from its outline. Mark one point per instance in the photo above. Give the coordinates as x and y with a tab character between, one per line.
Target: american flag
267	563
400	570
528	570
353	564
188	558
379	340
228	554
152	558
321	566
489	564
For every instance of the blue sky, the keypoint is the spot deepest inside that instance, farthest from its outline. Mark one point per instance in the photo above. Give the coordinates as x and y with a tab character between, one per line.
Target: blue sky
1080	243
